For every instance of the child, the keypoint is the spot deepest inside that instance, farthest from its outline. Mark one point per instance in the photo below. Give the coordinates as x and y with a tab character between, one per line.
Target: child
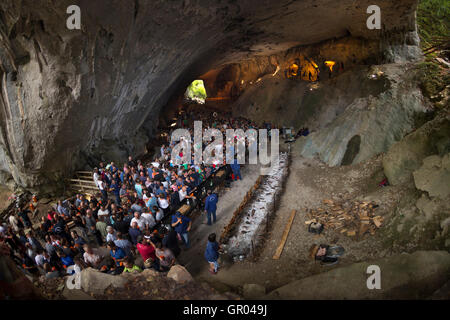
130	266
212	253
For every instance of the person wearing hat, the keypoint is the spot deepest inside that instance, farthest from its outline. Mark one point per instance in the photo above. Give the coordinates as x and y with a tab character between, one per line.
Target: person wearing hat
211	206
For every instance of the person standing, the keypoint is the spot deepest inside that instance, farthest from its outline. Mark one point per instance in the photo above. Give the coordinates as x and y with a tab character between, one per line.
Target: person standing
212	253
211	206
236	167
182	226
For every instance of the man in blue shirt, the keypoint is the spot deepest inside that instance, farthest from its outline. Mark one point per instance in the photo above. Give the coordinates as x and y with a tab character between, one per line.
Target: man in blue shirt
115	188
118	255
212	253
134	232
182	226
236	167
211	206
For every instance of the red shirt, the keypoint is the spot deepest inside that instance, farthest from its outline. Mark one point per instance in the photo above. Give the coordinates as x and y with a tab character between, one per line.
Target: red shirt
146	251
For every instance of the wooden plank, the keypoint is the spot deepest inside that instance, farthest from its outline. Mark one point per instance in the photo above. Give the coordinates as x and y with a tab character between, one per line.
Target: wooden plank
285	235
77	188
78	182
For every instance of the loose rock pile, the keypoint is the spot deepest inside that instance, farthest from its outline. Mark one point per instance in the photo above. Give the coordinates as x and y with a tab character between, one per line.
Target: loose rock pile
349	218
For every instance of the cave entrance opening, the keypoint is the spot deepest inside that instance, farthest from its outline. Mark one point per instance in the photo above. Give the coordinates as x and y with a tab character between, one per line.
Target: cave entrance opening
196	92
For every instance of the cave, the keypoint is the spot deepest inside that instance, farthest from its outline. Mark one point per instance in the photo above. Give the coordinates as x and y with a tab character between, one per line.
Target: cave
135	71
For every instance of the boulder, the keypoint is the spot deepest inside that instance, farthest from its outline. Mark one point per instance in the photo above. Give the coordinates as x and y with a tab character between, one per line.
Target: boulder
429	207
149	273
76	294
179	274
406	156
434	176
94	281
253	291
404	276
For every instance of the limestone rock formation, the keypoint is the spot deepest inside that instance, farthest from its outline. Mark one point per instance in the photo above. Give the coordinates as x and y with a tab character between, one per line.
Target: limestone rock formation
434	176
405	276
374	122
406	156
96	282
71	97
179	274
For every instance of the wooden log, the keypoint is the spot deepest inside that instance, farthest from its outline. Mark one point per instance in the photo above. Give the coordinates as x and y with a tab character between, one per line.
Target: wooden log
285	235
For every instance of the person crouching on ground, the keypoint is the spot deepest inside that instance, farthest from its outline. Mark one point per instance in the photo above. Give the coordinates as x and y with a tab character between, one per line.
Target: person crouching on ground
212	253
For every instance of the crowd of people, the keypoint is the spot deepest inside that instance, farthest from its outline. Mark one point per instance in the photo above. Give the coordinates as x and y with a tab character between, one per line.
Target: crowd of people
122	224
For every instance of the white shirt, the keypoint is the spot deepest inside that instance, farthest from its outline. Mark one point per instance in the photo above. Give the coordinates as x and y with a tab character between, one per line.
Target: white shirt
93	258
163	203
100	185
39	260
149	219
13	222
103	212
96	176
182	194
110	237
159	215
140	222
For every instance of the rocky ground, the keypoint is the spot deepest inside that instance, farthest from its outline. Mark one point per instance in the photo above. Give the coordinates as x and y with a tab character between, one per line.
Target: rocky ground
177	284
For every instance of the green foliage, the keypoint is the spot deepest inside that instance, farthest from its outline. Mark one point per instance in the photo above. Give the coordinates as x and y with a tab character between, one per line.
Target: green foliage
432	77
433	19
196	90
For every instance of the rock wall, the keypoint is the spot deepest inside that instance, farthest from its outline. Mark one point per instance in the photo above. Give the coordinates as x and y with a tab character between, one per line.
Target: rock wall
69	98
404	276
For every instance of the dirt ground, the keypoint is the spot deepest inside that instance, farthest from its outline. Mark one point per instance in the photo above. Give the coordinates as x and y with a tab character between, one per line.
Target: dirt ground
308	184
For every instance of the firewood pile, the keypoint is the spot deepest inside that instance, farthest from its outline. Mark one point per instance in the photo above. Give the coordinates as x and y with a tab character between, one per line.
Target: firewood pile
349	218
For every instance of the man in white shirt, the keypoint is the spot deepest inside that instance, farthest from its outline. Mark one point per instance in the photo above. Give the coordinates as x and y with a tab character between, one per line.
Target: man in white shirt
102	211
14	222
96	176
182	193
139	220
40	259
92	257
149	219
